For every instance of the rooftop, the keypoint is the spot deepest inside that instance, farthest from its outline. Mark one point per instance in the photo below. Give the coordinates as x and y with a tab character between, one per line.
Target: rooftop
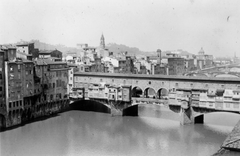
85	48
7	46
26	60
45	52
21	60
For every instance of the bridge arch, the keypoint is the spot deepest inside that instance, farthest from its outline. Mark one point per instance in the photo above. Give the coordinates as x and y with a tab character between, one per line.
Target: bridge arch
196	74
161	93
90	105
199	117
149	93
235	69
132	110
137	92
227	75
196	114
214	74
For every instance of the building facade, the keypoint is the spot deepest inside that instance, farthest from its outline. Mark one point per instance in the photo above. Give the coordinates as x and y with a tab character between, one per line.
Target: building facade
3	108
28	49
176	66
30	89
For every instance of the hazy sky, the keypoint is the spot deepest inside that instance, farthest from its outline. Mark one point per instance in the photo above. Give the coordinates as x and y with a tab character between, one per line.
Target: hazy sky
148	25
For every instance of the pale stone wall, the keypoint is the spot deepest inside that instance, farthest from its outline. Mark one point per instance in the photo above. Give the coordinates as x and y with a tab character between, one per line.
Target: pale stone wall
156	84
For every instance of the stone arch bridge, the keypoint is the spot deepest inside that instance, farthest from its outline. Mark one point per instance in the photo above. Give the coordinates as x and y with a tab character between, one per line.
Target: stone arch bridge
191	115
151	89
230	69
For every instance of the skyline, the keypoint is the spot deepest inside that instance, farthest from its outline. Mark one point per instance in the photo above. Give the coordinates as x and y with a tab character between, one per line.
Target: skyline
147	25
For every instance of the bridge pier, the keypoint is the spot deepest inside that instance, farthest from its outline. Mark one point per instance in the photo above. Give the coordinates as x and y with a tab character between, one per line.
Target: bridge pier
116	112
125	111
188	117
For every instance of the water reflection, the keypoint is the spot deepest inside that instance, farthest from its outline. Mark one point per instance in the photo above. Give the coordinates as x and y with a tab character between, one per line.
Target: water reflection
89	133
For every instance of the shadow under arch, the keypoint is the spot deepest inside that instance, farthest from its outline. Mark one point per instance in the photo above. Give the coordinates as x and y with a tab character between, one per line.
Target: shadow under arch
90	105
137	91
161	93
199	117
133	109
149	93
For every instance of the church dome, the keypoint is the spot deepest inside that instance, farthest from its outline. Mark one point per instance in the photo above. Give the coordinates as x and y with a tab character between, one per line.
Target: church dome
201	52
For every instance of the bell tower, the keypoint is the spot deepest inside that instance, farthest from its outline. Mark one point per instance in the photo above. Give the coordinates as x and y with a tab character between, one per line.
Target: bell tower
102	42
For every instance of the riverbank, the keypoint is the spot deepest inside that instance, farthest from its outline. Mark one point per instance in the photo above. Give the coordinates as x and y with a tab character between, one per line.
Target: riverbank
34	113
46	111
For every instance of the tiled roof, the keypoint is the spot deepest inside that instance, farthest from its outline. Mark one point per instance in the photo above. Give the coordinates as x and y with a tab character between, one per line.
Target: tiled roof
21	53
26	60
42	61
45	52
8	46
89	47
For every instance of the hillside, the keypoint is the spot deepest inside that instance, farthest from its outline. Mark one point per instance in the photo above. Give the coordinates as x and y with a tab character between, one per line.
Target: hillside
113	47
117	48
45	46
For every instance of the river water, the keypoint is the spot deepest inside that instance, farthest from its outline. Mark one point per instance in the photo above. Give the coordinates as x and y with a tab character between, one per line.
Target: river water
156	131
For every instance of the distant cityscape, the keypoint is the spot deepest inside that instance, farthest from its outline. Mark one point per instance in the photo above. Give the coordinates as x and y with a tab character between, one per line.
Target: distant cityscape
178	62
116	60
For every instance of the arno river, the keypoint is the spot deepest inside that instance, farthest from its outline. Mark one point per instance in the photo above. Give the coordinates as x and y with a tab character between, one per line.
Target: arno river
156	131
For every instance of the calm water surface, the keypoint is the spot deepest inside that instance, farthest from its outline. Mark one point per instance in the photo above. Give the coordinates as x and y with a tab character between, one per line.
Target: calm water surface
156	131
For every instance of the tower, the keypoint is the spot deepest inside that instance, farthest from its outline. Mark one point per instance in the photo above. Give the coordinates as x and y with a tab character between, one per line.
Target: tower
102	42
159	55
201	52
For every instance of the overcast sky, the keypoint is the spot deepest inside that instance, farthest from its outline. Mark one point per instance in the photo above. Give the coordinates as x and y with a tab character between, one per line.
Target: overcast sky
147	25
